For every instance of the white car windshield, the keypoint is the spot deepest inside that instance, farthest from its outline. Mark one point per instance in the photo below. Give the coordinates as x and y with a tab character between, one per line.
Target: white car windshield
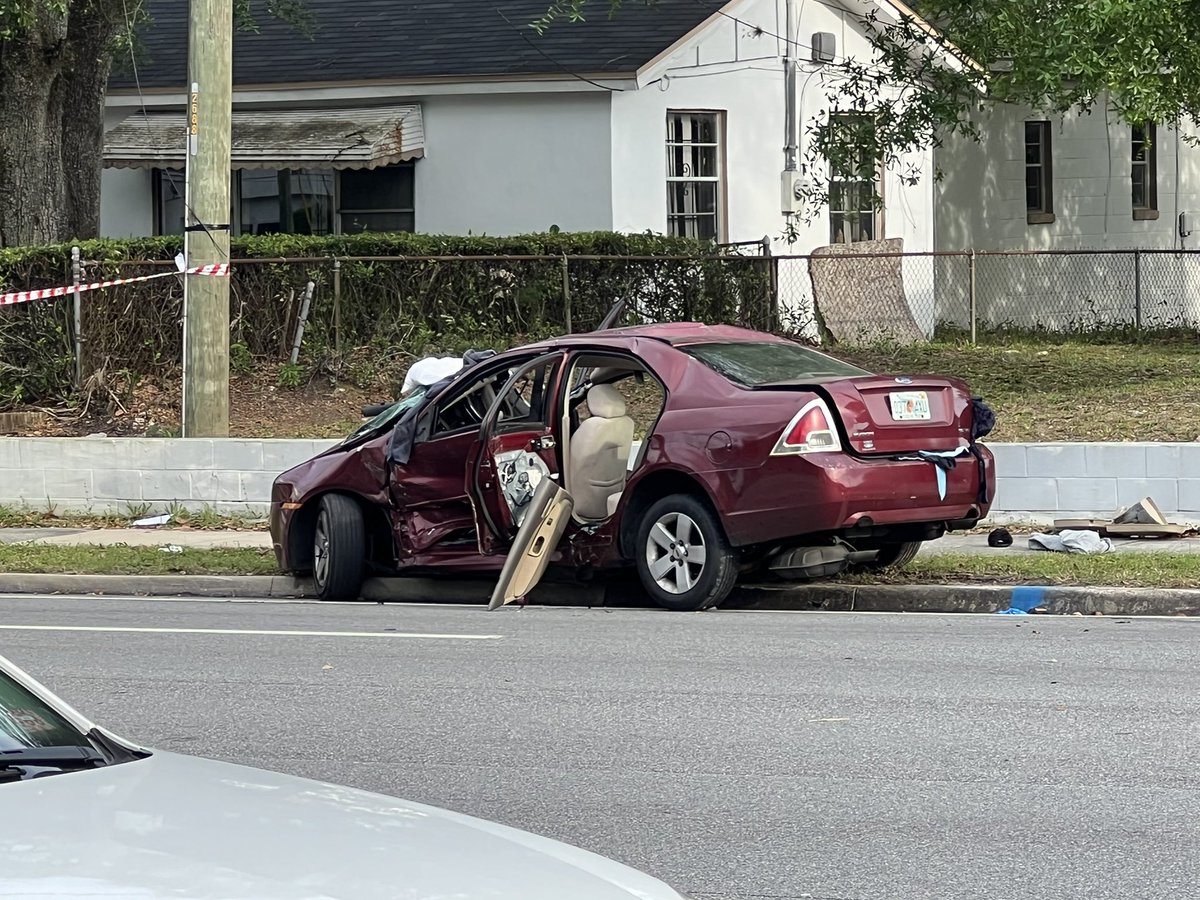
27	723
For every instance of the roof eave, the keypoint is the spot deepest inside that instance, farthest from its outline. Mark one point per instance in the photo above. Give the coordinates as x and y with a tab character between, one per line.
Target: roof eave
431	84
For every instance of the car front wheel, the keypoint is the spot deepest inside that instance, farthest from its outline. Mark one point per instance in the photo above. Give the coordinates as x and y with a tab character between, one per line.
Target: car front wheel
339	549
684	560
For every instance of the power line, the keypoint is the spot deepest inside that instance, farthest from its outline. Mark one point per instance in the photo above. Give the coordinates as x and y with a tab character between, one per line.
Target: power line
845	63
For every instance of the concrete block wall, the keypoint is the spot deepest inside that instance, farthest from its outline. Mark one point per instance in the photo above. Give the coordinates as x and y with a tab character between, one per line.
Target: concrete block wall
1043	482
115	475
1036	483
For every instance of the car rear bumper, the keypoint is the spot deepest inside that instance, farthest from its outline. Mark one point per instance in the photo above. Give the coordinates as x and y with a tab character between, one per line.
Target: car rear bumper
794	496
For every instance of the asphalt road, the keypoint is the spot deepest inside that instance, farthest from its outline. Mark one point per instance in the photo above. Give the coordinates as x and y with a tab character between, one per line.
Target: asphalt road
736	755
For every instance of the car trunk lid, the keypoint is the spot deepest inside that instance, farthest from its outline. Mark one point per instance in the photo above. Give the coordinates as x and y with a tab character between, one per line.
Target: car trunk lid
902	415
884	415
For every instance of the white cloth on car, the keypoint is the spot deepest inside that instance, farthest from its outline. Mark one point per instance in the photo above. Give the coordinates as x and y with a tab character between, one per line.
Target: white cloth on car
429	371
1069	541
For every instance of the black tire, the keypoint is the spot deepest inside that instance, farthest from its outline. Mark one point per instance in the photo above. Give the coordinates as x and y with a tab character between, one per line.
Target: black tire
671	579
892	556
339	549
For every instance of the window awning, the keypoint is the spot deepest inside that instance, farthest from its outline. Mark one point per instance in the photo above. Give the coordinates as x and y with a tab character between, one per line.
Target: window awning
278	139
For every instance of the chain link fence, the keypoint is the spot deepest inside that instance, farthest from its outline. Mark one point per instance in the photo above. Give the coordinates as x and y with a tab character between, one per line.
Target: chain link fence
372	315
865	298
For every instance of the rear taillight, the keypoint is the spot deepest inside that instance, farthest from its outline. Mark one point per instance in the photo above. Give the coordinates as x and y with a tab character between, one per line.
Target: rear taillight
811	431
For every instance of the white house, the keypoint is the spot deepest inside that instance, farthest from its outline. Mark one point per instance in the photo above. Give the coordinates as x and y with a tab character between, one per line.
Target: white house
456	118
1076	182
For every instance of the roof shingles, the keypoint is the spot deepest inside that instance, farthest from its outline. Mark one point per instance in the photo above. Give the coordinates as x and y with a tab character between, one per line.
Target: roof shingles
375	40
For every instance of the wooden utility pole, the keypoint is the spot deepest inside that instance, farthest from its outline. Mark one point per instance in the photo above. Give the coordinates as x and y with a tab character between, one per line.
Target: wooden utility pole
206	239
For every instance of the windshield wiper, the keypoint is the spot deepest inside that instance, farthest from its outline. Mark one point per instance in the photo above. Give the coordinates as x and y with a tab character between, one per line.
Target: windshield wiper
65	757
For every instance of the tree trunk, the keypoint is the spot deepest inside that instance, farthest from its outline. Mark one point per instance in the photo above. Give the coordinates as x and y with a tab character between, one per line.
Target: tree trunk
32	198
90	36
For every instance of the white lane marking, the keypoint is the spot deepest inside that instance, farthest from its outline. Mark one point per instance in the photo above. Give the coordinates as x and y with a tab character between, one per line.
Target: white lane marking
362	634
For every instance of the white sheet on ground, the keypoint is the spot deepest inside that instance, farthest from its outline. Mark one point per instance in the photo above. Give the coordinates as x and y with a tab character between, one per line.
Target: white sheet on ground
1069	541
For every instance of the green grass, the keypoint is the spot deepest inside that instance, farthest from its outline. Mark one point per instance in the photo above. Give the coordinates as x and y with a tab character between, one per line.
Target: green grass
1103	388
1155	570
205	520
125	560
1164	570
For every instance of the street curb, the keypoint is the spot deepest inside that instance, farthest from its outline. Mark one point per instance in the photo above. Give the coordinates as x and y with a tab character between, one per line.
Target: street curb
970	598
941	598
272	587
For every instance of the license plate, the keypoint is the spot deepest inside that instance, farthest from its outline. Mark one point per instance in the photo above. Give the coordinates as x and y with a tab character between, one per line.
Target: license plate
910	405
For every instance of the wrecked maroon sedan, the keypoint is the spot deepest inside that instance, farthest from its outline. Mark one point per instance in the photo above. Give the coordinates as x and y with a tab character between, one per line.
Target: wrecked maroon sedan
699	454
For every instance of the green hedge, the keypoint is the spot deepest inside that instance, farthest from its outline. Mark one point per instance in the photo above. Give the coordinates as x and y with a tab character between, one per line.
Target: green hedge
384	309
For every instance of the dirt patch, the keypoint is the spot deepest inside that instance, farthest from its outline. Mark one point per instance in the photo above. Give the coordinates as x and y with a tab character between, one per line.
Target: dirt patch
1041	389
259	407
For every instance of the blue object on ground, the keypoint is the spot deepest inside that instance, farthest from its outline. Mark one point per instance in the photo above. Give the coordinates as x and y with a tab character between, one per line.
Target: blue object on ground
1023	600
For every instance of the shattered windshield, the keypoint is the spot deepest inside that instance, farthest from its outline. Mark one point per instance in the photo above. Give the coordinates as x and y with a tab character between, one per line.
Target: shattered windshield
389	417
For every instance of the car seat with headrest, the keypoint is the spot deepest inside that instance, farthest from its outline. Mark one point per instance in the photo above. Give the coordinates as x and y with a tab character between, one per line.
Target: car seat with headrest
599	455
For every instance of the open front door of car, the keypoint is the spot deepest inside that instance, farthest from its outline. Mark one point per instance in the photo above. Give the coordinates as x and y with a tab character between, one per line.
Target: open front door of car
517	451
542	528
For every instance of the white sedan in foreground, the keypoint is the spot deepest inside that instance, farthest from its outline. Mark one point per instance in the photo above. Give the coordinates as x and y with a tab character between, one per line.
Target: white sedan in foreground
84	813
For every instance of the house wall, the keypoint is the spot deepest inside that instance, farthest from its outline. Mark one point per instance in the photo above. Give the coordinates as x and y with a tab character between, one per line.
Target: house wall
732	66
736	66
980	205
127	199
503	164
497	164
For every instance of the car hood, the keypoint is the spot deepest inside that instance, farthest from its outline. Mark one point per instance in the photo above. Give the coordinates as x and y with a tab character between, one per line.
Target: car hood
180	827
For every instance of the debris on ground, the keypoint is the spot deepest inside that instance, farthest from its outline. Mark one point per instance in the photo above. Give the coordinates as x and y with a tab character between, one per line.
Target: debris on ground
1071	541
1141	520
153	521
1000	537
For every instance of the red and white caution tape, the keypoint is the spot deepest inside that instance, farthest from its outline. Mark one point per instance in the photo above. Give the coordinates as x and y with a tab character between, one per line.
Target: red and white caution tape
217	269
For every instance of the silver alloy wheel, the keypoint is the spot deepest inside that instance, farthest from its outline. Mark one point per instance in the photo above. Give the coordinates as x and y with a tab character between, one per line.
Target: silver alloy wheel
675	553
321	550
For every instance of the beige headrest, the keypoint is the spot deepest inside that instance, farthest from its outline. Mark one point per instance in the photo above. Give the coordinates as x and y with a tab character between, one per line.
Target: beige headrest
606	402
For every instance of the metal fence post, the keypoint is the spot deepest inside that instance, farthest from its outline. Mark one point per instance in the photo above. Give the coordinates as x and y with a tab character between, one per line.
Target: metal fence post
971	290
566	289
76	280
337	306
772	285
1137	289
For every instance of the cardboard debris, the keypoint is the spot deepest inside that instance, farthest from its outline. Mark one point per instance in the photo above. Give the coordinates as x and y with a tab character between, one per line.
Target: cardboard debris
1142	520
1145	512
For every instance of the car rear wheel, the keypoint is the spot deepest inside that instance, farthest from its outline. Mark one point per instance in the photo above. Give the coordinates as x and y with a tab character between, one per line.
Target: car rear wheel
684	559
339	549
893	556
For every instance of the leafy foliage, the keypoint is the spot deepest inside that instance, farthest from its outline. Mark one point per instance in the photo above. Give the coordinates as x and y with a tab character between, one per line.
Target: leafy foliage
393	296
1140	58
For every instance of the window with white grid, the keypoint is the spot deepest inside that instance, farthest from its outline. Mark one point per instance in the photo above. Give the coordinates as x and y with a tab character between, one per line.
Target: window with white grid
695	175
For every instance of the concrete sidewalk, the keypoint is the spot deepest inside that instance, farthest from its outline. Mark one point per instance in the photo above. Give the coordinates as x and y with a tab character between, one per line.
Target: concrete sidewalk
136	537
977	545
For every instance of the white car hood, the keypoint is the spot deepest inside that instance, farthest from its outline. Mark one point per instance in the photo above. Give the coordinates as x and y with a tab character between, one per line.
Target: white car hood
191	829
